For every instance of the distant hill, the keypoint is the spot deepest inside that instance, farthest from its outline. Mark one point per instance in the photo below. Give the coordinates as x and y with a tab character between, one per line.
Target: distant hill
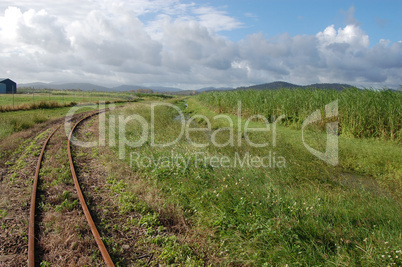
174	90
64	86
36	85
279	85
270	86
82	86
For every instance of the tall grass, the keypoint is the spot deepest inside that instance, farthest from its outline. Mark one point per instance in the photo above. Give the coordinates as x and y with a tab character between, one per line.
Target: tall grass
362	113
306	213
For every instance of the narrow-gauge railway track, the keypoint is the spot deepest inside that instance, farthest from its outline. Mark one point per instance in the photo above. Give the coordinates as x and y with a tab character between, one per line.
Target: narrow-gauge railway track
31	227
31	230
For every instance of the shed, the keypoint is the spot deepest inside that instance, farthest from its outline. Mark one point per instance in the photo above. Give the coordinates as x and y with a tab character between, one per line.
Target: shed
7	86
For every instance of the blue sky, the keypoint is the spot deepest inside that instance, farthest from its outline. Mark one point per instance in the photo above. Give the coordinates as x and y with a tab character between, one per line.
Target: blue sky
379	19
193	44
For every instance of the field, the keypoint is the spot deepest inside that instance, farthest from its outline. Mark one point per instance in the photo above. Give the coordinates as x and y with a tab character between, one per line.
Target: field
31	99
205	194
362	113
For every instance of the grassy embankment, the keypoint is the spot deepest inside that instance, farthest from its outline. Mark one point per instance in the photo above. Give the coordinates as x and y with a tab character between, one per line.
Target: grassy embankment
296	210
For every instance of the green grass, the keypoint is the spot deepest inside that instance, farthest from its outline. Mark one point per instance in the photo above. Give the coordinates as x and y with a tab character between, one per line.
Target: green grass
172	251
304	213
15	121
362	113
62	97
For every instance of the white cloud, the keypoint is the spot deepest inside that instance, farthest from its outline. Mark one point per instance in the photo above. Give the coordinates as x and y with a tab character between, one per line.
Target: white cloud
352	35
216	20
8	24
170	43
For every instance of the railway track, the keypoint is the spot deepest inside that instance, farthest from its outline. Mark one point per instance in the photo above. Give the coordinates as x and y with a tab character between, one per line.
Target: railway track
31	230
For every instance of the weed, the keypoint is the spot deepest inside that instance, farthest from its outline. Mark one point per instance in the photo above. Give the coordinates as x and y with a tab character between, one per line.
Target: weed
3	213
149	220
127	201
67	205
63	176
175	253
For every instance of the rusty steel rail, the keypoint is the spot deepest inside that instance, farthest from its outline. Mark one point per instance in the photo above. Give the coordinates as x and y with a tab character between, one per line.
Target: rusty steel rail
31	227
94	230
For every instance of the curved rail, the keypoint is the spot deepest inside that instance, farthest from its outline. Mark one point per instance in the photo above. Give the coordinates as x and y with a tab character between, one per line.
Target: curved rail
31	227
94	230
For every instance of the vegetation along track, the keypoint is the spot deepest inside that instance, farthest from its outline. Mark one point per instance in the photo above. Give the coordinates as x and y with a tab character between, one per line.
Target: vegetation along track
31	232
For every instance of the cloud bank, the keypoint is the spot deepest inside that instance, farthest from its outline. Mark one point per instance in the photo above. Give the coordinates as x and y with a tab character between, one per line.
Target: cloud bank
174	44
